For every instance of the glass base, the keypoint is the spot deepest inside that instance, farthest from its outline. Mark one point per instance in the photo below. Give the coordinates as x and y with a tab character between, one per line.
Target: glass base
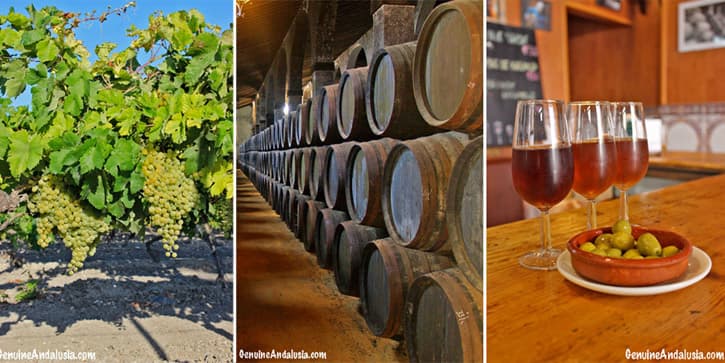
542	259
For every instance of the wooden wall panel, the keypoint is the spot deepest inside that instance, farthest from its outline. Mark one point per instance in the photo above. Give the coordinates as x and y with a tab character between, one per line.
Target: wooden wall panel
553	44
503	204
615	62
692	77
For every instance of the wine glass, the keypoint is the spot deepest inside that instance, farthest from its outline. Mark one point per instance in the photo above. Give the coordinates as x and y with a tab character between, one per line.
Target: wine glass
542	168
595	156
630	138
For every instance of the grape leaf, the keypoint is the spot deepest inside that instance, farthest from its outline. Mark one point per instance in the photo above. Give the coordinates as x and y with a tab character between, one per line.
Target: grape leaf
220	179
204	43
10	37
4	140
123	156
94	157
103	50
116	209
19	21
47	50
196	67
73	105
94	191
31	37
136	180
67	140
15	85
111	96
58	161
24	153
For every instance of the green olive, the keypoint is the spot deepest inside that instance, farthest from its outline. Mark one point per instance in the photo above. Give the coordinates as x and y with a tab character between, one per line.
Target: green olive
632	254
600	252
614	252
623	241
588	247
648	245
603	240
669	251
622	226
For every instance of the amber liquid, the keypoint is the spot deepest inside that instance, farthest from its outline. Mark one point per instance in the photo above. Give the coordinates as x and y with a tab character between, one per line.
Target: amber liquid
632	162
543	176
595	165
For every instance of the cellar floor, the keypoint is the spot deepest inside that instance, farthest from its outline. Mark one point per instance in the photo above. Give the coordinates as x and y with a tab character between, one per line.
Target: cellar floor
286	302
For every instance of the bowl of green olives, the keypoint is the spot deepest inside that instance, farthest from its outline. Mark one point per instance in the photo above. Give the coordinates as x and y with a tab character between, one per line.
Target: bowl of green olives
626	255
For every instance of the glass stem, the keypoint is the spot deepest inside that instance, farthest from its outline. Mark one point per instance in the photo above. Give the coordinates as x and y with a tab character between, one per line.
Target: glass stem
545	230
592	214
623	206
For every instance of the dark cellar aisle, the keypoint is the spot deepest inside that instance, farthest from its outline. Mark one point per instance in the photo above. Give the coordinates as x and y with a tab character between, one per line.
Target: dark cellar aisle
285	301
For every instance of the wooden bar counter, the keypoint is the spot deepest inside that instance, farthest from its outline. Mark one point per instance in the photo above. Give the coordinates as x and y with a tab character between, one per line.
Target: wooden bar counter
538	316
686	165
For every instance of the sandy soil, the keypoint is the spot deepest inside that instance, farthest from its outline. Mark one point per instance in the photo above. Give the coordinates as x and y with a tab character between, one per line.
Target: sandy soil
122	305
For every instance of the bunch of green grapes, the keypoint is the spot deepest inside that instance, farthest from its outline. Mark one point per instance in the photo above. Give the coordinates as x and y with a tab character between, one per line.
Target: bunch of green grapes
59	211
171	196
221	216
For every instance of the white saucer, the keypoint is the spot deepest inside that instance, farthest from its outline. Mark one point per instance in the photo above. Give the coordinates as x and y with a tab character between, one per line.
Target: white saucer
697	268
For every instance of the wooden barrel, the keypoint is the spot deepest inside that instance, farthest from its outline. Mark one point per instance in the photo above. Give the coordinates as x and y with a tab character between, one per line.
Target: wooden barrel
301	216
326	115
327	221
294	198
299	153
282	201
303	183
464	212
311	214
448	67
333	174
276	135
273	194
286	132
347	248
444	319
284	165
287	201
274	198
310	123
352	122
363	178
317	164
293	165
300	126
292	141
389	100
415	181
386	272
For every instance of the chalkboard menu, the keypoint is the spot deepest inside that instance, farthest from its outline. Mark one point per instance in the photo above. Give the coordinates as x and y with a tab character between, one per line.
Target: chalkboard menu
512	66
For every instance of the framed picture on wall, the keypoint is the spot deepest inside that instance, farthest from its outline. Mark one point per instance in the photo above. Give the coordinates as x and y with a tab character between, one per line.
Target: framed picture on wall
536	14
701	25
615	5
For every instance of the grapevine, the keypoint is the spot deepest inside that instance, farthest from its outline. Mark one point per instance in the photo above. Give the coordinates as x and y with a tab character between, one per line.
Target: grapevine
136	139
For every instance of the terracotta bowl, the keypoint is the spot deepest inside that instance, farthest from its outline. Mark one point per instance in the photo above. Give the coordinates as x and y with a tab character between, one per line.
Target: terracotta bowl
626	272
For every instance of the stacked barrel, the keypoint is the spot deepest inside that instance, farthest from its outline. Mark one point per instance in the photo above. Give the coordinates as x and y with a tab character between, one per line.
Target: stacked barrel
381	177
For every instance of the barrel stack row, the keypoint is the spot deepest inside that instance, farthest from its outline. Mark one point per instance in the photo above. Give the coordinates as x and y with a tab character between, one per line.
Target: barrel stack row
380	176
